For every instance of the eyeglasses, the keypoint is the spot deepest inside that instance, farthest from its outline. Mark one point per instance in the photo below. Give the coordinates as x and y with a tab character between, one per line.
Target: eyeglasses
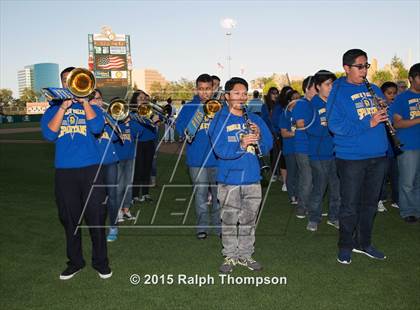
360	67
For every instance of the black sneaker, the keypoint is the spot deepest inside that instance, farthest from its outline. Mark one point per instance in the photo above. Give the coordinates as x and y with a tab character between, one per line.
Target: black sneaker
201	235
250	263
105	273
227	265
300	213
69	272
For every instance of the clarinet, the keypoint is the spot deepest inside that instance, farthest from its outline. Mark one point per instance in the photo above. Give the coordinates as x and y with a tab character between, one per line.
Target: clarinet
380	104
260	156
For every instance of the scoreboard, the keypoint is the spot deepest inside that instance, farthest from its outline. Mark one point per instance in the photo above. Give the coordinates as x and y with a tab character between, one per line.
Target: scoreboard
110	60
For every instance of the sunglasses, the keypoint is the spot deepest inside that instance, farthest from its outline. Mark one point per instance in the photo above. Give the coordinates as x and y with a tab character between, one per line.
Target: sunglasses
360	67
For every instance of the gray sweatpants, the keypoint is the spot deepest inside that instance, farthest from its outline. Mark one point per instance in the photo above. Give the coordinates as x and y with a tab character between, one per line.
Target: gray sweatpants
239	210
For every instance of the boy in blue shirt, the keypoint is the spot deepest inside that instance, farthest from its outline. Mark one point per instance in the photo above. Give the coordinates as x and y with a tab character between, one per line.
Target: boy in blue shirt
72	125
238	177
321	156
303	115
200	158
360	143
405	113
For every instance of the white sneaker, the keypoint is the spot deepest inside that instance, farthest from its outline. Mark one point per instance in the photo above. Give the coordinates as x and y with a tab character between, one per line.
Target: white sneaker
381	207
120	216
394	205
274	178
127	216
284	188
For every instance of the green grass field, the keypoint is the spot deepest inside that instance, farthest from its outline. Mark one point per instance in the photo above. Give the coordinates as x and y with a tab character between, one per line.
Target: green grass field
33	254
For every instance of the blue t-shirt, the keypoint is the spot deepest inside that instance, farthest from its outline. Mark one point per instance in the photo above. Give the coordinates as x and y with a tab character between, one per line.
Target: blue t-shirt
199	152
349	111
302	111
407	105
285	122
275	118
75	142
106	146
237	166
131	131
321	145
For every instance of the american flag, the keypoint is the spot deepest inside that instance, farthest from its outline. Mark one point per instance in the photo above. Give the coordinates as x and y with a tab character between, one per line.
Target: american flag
106	62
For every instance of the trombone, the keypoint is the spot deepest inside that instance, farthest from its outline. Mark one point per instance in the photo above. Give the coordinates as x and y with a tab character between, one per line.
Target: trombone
80	83
214	105
116	111
145	112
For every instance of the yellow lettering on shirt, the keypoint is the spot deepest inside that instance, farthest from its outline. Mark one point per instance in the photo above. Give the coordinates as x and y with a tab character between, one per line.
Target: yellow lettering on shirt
80	129
233	127
414	114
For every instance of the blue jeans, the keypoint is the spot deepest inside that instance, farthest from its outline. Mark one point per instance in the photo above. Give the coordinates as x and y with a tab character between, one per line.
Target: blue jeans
392	174
292	175
125	183
409	183
203	178
111	181
360	188
324	174
304	180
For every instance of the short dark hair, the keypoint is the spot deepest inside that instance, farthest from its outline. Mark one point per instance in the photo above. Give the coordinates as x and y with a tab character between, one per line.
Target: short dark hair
98	91
204	78
215	77
308	82
169	100
68	69
350	56
414	70
134	96
233	81
323	75
256	94
387	85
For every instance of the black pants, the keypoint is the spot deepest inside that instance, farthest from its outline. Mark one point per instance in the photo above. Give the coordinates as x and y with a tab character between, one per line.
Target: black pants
360	188
73	192
143	167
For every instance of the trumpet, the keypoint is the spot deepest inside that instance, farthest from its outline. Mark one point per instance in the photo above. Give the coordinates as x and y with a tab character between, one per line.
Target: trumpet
214	105
81	83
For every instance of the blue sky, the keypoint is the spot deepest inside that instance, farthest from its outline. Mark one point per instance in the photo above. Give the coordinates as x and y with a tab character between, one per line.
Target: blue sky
184	38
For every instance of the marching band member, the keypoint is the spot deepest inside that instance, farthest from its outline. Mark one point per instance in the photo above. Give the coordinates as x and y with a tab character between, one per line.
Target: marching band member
200	158
145	151
238	177
109	166
405	113
360	143
390	89
302	117
72	125
321	156
131	131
